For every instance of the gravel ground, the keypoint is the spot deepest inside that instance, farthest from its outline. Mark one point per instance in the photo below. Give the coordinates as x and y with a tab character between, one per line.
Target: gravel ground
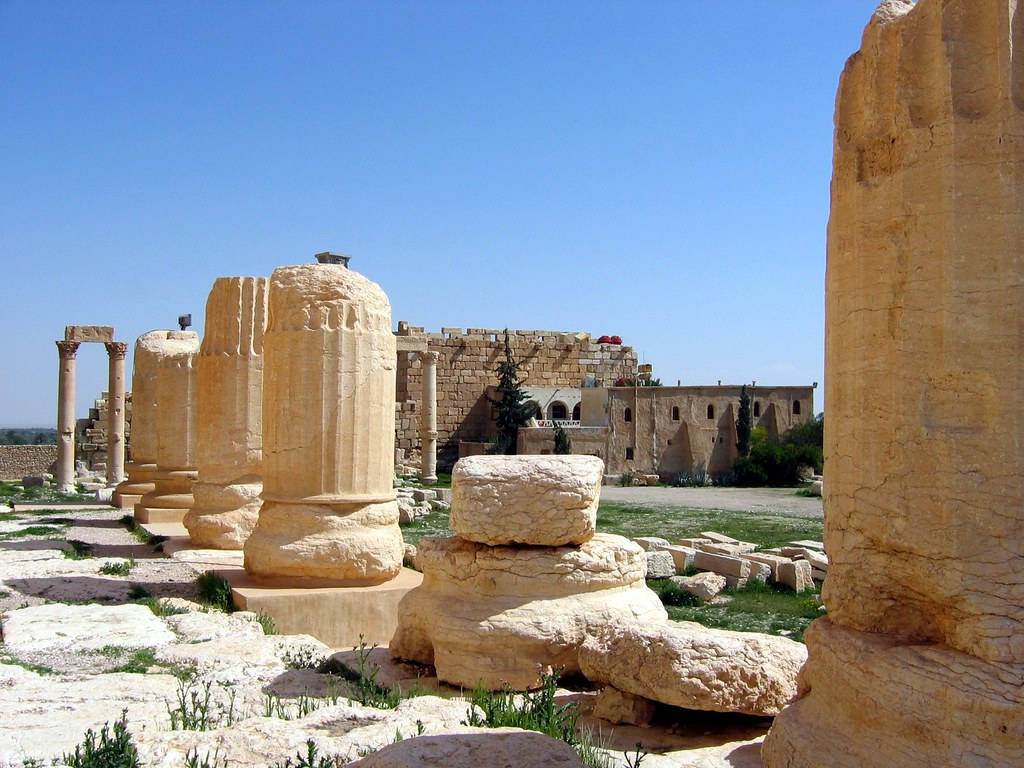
780	501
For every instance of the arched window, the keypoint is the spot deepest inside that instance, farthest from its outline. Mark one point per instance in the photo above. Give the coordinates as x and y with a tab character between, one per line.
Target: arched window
557	411
796	407
711	411
576	412
675	413
628	415
757	409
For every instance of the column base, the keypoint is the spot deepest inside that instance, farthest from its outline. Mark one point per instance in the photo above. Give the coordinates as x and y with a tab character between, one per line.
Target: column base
170	499
138	483
867	701
224	514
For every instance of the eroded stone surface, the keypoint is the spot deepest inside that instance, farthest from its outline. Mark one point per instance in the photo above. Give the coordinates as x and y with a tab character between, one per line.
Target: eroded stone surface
497	747
84	627
688	665
539	500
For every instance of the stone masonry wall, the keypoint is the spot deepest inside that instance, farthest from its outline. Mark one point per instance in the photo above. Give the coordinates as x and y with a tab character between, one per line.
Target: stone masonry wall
466	368
17	461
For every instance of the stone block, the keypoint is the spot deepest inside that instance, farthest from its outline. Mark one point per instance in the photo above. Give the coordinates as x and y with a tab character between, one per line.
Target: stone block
772	561
694	543
795	574
814	546
682	556
621	708
95	333
424	494
33	481
650	543
660	565
718	538
704	585
725	565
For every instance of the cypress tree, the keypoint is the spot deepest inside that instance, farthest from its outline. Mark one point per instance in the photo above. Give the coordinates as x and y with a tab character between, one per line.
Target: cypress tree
511	403
743	424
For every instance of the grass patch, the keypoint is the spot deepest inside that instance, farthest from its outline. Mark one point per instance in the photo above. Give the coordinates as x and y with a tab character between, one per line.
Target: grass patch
756	607
266	621
136	530
33	531
160	607
670	594
673	523
79	550
215	591
39	669
433	524
15	492
122	568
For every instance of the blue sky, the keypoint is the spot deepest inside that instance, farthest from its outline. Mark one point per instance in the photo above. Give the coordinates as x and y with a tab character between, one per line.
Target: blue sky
658	170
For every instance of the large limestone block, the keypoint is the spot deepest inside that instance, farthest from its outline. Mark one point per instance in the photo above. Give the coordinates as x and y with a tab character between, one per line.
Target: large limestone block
229	403
541	500
868	700
493	615
498	748
925	308
688	665
329	508
143	439
62	627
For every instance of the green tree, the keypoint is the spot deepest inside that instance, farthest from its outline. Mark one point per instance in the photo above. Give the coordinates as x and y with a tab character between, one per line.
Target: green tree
743	424
562	444
513	410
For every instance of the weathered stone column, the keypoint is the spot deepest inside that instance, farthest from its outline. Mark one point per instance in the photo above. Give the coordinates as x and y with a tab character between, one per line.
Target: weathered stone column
143	464
428	420
115	411
329	509
229	448
921	658
66	350
175	356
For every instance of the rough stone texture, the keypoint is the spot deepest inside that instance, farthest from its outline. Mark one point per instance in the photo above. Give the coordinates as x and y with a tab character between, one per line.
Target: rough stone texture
499	748
229	403
329	508
542	500
90	627
704	585
650	543
796	574
660	565
142	459
893	704
619	707
925	310
688	665
505	614
174	358
17	461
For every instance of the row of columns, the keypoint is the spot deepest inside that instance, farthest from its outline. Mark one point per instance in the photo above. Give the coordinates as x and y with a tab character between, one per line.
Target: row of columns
67	352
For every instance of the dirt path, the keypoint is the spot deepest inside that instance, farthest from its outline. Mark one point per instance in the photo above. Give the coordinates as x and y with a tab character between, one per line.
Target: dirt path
780	501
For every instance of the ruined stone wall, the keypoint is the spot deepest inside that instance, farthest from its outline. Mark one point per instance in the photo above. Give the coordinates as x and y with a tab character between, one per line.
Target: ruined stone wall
91	434
17	461
466	367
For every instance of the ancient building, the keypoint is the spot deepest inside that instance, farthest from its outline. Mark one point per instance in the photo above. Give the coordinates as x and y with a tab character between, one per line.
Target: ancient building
669	430
465	368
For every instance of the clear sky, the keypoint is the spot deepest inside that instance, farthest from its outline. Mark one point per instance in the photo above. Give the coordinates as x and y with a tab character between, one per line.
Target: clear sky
655	170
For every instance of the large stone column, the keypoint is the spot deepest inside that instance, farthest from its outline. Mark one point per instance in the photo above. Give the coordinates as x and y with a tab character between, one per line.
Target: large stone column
921	659
115	411
143	464
175	356
229	448
329	509
428	420
66	350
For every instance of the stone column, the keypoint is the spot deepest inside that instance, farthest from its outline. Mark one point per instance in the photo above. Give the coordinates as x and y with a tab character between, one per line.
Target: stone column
66	350
921	658
329	509
174	356
115	411
229	404
428	419
143	464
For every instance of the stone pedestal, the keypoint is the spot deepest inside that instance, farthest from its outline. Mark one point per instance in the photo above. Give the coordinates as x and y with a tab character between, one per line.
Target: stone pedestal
428	421
65	476
115	411
921	659
142	467
175	422
329	508
229	405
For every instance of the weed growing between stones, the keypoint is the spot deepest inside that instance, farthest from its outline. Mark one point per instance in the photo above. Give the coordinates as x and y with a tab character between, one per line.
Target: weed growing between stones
670	594
79	550
118	569
194	709
136	530
192	759
266	621
160	607
41	531
138	592
215	591
312	759
39	669
106	750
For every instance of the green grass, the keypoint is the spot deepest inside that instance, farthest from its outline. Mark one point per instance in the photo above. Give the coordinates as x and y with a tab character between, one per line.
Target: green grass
161	607
80	550
122	568
756	607
673	523
433	524
215	591
14	492
104	750
39	669
32	530
138	531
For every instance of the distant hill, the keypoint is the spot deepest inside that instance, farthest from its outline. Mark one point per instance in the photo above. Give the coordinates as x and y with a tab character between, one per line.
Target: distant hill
28	436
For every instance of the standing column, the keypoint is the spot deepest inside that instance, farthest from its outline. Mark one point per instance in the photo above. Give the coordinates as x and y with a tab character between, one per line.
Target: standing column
143	464
329	508
428	422
66	416
115	411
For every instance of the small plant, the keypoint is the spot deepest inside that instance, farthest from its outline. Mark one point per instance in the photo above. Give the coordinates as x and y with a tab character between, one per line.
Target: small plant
106	750
160	607
312	759
215	591
694	478
637	757
135	660
192	759
138	592
79	550
266	621
122	568
670	594
192	712
627	479
562	444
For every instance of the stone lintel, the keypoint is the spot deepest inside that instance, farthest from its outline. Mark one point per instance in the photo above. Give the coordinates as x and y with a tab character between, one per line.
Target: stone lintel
97	333
411	344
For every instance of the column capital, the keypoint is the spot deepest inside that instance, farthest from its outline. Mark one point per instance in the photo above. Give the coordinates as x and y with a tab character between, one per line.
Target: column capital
67	349
430	357
116	349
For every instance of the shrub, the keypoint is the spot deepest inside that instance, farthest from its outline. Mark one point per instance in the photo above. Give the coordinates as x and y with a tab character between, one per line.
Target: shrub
626	479
215	591
118	569
106	750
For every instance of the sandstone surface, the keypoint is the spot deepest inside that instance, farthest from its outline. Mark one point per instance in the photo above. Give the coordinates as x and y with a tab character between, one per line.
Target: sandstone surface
506	614
704	585
329	508
85	627
498	748
229	404
540	500
692	666
620	707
